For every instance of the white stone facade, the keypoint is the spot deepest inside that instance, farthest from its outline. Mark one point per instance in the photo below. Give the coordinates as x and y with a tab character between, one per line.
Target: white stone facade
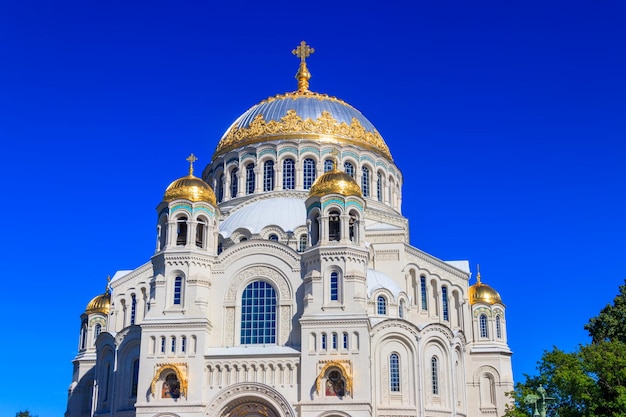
337	315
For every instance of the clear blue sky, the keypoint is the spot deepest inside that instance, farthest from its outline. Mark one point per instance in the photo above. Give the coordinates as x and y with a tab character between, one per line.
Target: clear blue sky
506	118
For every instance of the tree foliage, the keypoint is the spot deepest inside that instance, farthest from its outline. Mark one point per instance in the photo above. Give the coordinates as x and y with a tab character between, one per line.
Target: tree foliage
24	413
589	382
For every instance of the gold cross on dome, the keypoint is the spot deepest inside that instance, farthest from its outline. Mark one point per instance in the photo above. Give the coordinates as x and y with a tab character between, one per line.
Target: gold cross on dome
303	51
335	153
191	159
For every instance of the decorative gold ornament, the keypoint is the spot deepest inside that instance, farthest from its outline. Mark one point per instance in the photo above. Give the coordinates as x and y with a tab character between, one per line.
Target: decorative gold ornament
180	369
341	366
303	51
291	126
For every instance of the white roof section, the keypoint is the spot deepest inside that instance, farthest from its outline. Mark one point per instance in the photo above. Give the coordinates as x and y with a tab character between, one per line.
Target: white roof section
381	226
377	280
460	265
120	274
284	212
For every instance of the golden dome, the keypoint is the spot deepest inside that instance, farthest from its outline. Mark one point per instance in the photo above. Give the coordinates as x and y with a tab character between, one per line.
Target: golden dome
302	114
190	188
483	293
99	304
335	182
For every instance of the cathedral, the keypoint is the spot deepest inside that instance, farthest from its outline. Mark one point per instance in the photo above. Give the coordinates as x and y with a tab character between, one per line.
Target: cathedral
283	284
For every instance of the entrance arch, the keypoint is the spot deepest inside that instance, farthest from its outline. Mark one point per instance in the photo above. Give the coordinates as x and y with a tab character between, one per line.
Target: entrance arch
249	400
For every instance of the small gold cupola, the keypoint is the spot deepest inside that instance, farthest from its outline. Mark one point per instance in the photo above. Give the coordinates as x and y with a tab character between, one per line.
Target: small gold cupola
483	293
190	188
102	302
335	182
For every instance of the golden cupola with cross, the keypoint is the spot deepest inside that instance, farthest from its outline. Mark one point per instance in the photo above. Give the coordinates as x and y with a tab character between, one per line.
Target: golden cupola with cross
303	114
190	188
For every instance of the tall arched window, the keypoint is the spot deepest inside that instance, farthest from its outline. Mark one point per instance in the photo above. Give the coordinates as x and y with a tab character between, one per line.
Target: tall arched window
308	172
345	341
365	181
220	188
379	187
133	309
334	226
173	344
250	178
200	232
234	183
381	305
434	371
183	344
444	302
424	294
178	290
394	373
348	168
258	314
289	174
484	332
329	164
334	286
83	335
268	175
302	243
162	344
96	331
181	231
498	327
134	378
401	309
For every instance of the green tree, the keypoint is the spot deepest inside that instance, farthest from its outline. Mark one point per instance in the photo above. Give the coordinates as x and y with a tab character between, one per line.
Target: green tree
590	381
24	413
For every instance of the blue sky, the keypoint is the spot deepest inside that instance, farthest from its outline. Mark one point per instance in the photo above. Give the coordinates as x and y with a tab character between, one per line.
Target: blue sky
506	118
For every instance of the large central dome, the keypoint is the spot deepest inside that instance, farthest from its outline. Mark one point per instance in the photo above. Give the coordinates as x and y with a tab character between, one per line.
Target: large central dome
302	114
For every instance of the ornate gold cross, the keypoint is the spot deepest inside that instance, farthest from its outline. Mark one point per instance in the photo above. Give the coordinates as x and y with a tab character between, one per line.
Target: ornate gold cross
303	51
191	159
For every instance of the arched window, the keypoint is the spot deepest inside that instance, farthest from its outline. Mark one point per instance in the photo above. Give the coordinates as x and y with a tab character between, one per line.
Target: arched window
134	378
329	164
162	232
335	341
201	228
250	179
381	305
423	293
379	187
348	168
183	344
289	174
498	327
365	181
178	290
234	183
220	188
268	175
173	344
434	371
401	309
334	286
171	387
444	302
346	339
96	331
324	341
352	227
162	344
334	226
302	243
484	332
181	231
273	237
309	173
394	373
133	309
258	314
83	335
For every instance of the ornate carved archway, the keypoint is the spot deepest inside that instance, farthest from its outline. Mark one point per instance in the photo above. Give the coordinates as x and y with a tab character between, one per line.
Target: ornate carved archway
249	400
